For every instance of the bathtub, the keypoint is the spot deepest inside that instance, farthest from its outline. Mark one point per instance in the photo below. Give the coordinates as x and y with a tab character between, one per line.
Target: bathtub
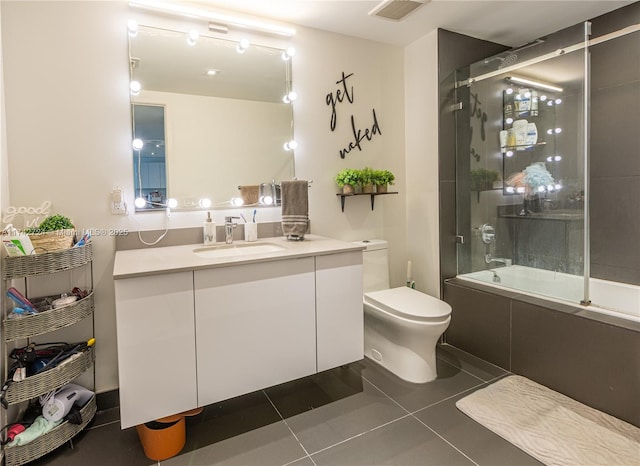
612	298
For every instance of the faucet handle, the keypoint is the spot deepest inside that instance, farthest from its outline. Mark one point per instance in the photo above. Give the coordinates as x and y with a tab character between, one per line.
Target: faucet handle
229	219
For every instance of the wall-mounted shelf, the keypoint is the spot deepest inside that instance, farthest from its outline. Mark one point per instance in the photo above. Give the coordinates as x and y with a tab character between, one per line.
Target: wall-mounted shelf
373	197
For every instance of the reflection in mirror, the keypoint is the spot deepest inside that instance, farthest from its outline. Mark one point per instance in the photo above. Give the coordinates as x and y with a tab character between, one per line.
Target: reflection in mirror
224	112
149	169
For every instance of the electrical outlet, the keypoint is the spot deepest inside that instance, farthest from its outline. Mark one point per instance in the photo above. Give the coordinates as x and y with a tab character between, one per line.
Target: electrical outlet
118	205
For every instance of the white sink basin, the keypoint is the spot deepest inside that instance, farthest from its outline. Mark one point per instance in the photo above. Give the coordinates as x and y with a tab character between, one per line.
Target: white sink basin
239	249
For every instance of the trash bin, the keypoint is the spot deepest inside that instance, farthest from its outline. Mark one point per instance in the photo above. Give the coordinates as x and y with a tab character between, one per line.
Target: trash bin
163	438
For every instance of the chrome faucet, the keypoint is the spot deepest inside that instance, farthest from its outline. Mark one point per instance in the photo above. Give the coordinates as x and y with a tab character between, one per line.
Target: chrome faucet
488	258
229	226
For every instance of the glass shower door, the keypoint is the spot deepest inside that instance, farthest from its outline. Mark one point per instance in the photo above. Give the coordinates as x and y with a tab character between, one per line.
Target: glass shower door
520	169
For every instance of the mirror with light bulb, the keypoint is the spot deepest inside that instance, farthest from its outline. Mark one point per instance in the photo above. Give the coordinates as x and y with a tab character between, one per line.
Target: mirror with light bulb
210	116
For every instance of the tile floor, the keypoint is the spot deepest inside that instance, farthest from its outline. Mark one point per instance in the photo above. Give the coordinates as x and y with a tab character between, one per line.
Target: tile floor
355	415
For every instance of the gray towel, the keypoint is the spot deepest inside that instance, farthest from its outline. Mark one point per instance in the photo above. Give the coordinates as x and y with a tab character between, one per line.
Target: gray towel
295	209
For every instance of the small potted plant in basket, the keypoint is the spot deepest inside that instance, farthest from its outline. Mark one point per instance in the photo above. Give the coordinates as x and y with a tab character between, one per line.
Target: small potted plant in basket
382	179
348	179
367	177
54	233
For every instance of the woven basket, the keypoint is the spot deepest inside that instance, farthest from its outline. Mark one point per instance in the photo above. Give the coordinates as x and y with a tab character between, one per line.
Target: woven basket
52	240
59	435
44	264
47	381
48	321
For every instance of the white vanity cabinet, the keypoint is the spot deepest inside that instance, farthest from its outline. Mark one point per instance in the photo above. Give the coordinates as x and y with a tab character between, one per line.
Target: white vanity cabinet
339	311
255	326
194	331
156	346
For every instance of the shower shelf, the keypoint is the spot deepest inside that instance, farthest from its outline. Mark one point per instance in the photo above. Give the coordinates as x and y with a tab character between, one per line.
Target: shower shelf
527	146
373	197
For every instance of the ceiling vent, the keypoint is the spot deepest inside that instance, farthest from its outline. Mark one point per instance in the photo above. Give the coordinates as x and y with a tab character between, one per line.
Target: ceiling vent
396	10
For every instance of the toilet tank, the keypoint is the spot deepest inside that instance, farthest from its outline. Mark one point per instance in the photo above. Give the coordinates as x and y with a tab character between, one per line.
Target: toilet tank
375	265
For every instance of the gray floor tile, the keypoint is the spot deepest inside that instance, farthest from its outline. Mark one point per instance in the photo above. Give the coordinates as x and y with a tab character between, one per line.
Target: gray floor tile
345	418
269	445
312	392
451	381
401	443
477	442
107	445
229	418
469	363
306	461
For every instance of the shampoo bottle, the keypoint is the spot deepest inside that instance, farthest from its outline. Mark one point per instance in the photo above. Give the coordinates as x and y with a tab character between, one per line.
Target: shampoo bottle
209	230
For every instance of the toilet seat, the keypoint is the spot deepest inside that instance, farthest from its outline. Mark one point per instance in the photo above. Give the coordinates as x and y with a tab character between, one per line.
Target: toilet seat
409	303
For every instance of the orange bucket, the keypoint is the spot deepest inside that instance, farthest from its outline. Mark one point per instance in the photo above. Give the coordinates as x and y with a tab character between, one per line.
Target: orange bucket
163	438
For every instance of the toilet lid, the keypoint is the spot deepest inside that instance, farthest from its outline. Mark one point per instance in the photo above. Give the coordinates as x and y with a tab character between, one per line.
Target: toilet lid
407	302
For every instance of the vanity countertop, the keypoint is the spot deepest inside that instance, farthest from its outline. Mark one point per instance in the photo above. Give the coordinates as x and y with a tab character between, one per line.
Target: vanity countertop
152	261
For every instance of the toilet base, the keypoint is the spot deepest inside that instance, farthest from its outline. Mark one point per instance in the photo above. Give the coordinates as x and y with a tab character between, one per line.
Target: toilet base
405	348
404	364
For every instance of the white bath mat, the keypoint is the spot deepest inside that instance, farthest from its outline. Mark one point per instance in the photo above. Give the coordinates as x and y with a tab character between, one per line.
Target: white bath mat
552	427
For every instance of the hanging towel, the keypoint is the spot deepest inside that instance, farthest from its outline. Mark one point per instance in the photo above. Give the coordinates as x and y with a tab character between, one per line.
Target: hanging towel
295	209
249	194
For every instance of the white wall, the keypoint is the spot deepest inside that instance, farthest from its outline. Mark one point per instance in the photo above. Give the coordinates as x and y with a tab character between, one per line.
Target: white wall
421	109
69	134
377	83
4	180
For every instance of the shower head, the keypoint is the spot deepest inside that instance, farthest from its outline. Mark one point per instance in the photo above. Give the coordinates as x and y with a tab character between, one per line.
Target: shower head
504	61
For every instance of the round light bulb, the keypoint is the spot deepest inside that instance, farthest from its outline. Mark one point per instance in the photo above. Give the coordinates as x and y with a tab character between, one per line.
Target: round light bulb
509	121
558	187
291	145
549	159
192	37
290	52
237	201
172	203
550	188
137	144
293	95
550	131
520	190
550	103
205	202
135	87
527	94
509	153
543	97
243	45
132	26
558	130
140	202
557	158
509	91
267	200
510	190
558	101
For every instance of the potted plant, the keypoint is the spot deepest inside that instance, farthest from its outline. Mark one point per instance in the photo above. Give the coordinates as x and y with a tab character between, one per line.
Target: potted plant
483	179
367	176
382	179
54	233
348	179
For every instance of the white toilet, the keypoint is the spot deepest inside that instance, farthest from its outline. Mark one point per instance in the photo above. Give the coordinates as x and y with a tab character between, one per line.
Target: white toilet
401	325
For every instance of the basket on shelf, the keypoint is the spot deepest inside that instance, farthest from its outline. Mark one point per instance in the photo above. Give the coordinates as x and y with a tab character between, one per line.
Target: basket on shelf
50	241
21	454
44	264
48	321
44	382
